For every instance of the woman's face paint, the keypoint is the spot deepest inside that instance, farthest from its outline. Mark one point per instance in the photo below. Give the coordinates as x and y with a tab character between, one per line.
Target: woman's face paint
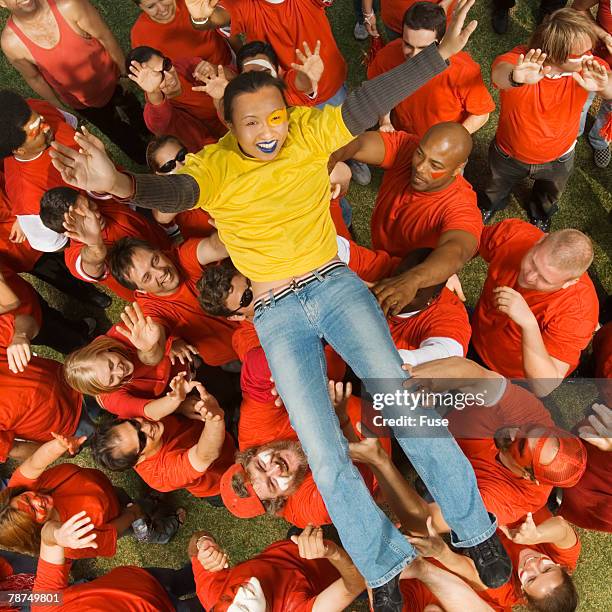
37	505
278	117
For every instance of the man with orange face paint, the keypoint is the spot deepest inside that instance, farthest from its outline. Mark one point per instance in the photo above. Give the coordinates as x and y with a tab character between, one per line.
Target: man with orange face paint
423	202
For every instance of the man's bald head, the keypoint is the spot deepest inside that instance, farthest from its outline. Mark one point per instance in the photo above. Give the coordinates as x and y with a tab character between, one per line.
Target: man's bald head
440	156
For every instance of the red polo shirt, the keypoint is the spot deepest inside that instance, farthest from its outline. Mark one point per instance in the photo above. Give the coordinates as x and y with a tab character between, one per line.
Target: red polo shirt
567	318
181	315
404	219
452	95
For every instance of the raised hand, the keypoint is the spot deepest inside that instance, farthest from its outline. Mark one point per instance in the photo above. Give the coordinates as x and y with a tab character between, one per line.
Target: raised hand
457	36
592	77
598	429
396	292
89	168
311	544
368	450
339	394
214	84
512	303
141	331
208	406
182	351
204	70
530	68
76	533
83	225
70	444
18	353
212	557
146	78
201	9
526	534
311	64
180	386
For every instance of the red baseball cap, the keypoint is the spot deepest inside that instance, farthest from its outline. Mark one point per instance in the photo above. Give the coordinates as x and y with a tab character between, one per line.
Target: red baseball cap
569	464
242	507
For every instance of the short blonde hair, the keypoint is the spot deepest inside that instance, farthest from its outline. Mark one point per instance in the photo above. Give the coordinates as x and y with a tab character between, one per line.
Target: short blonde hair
569	250
559	31
78	370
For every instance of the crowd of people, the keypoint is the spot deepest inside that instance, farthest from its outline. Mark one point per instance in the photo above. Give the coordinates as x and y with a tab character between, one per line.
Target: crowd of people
264	357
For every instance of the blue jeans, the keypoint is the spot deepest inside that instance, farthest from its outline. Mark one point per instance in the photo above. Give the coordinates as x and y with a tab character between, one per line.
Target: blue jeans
595	139
336	100
340	308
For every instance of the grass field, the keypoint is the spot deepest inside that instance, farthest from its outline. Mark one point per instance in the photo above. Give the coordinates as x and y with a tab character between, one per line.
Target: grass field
586	205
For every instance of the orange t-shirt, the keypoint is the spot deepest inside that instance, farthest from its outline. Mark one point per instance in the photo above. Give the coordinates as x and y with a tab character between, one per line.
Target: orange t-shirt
29	305
170	469
510	594
567	318
120	221
446	317
453	95
146	384
369	265
179	38
286	26
539	123
182	316
404	219
74	489
392	12
35	403
289	582
27	181
123	589
504	494
602	350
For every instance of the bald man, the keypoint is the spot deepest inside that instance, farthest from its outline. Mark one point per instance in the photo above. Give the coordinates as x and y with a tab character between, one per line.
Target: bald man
423	202
538	308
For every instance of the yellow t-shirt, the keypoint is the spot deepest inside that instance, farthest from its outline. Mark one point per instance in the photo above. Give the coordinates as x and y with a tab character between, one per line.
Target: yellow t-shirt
273	217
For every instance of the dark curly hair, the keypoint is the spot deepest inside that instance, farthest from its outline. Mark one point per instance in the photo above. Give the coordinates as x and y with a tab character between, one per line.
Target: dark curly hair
214	287
14	116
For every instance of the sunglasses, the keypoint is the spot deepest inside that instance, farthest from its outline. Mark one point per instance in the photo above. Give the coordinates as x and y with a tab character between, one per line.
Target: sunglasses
170	165
245	299
142	438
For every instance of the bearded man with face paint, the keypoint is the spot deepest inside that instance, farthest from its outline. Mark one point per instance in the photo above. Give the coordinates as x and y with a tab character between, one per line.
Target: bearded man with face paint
266	185
538	308
544	86
423	202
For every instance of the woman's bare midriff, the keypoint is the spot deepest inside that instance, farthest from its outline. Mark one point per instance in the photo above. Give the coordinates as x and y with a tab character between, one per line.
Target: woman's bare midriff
260	289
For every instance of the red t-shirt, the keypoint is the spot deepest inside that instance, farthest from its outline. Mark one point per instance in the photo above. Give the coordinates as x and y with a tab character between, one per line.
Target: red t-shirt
604	19
182	316
123	589
27	181
191	117
179	38
510	594
29	305
146	384
290	583
369	265
602	350
120	222
539	123
567	318
286	26
170	469
392	12
444	318
504	494
453	95
36	402
74	489
404	219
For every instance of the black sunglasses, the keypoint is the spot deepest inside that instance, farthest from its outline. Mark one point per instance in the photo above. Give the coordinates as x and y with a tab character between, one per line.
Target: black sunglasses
245	299
170	165
142	438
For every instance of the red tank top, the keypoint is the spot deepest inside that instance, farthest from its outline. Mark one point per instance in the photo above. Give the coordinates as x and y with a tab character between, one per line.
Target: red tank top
80	70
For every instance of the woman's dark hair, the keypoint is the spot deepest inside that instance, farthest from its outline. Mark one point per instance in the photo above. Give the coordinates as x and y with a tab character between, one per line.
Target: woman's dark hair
14	116
154	146
140	55
248	82
253	48
563	598
426	16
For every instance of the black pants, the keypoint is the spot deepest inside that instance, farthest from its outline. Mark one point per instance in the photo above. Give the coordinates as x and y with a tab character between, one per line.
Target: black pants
122	121
177	583
52	269
546	6
58	332
505	172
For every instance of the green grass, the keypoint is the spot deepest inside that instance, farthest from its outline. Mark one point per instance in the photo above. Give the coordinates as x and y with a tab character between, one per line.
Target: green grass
586	205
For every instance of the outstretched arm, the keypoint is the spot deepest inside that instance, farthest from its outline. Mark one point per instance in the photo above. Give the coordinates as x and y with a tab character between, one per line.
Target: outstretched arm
49	452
